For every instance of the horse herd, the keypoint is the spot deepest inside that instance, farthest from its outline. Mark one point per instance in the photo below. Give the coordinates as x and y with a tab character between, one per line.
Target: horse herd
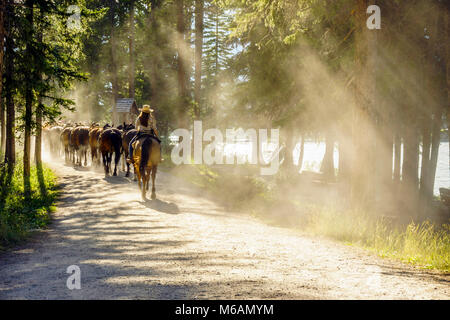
75	141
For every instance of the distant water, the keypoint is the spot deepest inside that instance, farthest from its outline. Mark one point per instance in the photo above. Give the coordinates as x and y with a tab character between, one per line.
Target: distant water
314	153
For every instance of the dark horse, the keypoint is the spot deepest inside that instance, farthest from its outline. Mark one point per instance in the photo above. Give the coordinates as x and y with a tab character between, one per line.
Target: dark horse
110	141
147	156
128	133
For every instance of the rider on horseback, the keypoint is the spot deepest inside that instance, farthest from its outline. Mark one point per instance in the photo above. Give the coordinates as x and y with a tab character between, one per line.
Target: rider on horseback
145	125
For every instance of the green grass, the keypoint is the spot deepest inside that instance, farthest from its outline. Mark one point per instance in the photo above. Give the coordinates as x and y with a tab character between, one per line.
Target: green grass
424	244
19	214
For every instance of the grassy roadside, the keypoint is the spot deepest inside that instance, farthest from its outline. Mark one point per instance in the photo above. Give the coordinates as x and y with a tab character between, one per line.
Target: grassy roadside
425	245
20	215
422	244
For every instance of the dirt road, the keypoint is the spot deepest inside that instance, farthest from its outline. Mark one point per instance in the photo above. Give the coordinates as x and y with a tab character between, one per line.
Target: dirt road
183	246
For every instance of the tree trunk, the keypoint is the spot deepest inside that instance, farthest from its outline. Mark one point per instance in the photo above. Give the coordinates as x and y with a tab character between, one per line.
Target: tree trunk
327	167
410	170
154	67
10	153
397	156
361	188
131	69
216	47
447	62
181	72
38	141
39	115
2	104
289	149
189	55
198	54
28	101
424	182
114	78
301	154
435	143
345	152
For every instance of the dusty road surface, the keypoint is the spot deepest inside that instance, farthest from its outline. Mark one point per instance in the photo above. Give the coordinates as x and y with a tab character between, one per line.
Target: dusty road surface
183	246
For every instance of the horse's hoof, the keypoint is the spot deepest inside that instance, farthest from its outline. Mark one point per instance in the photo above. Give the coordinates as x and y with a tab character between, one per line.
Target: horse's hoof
153	196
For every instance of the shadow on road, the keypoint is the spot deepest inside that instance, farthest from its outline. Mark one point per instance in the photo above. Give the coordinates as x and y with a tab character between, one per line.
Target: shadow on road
161	206
117	179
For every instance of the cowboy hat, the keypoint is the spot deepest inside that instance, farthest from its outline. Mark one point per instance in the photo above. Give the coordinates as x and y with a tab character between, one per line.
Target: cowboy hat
146	109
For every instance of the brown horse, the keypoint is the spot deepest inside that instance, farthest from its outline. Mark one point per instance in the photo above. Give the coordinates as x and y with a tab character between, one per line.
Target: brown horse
94	134
65	142
110	141
72	144
147	156
79	139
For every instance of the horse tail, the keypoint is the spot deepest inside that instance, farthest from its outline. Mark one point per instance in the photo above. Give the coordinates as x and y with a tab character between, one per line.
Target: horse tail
117	146
145	154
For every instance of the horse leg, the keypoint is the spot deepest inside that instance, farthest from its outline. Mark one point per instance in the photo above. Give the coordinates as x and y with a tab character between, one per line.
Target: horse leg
92	157
138	175
128	170
144	188
98	161
125	156
134	174
109	162
154	168
105	162
116	162
141	177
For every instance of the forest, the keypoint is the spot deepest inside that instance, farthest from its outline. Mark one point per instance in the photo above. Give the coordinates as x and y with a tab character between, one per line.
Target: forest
316	70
